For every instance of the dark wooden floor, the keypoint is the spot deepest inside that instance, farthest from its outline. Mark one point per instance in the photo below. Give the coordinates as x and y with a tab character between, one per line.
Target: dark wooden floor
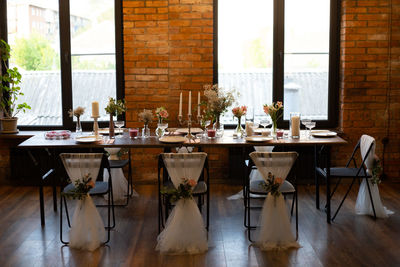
350	241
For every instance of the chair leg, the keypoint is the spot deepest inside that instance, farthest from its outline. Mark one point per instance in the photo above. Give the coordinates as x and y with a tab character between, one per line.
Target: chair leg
66	210
345	196
61	224
293	200
370	197
297	215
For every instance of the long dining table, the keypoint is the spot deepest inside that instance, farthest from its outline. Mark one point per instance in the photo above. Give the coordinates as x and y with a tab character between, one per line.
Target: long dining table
39	142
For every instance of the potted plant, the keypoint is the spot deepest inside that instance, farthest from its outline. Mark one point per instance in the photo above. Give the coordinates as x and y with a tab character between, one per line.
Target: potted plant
114	108
9	92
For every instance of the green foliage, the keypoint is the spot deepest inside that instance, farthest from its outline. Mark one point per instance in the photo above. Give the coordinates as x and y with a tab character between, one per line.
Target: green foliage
9	88
34	53
184	191
115	108
82	187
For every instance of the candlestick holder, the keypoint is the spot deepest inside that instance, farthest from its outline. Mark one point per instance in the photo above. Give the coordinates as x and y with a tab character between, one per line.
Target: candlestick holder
189	122
96	126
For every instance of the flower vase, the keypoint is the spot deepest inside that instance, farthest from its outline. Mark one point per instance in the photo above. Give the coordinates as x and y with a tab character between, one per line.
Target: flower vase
78	129
273	128
218	127
145	131
161	126
111	133
239	129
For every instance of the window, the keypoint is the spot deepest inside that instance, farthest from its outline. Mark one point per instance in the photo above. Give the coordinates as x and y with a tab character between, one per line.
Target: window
279	50
68	56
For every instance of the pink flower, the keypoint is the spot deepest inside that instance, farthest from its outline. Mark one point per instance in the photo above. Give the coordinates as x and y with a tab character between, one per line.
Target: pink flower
90	184
266	109
279	104
164	114
191	183
278	180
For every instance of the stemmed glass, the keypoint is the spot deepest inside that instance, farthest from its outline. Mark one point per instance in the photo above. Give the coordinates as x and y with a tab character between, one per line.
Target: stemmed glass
305	122
119	125
265	121
310	125
204	124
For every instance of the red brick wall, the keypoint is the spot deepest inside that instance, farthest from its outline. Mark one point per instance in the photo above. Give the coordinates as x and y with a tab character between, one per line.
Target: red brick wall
369	67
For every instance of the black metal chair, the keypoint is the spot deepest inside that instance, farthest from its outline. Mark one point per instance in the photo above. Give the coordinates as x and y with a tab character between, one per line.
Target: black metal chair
201	191
254	189
101	188
366	145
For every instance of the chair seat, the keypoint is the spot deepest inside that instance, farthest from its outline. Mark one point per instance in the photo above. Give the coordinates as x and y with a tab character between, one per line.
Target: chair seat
342	172
100	188
118	163
201	187
256	186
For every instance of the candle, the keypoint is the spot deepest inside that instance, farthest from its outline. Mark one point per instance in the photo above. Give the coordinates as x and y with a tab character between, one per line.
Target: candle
95	109
190	103
295	125
198	104
180	104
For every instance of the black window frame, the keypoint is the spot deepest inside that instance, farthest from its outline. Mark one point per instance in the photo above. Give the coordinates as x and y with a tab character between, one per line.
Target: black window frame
278	60
65	63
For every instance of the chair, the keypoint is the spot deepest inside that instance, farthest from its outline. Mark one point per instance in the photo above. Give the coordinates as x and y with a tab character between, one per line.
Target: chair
280	164
366	145
167	163
77	165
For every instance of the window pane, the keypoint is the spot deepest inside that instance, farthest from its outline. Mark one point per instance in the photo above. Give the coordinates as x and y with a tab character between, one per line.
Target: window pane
33	34
306	58
245	51
93	54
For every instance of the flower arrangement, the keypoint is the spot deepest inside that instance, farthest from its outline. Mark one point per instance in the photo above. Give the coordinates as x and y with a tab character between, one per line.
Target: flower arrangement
275	111
239	111
115	107
218	101
146	116
162	114
184	190
376	170
272	184
79	111
82	187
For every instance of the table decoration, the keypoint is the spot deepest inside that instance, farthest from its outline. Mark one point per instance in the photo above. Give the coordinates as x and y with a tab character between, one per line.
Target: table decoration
57	135
133	133
146	116
78	112
275	111
238	112
295	125
172	139
162	114
114	108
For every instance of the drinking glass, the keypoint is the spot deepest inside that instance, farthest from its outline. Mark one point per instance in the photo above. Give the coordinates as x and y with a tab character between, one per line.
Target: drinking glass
119	125
204	124
305	122
310	125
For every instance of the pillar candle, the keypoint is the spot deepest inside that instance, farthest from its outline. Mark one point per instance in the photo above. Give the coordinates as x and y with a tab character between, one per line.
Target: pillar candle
190	103
95	109
180	104
295	126
198	104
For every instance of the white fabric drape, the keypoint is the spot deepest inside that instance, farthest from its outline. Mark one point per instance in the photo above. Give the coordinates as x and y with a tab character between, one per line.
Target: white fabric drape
184	232
363	202
87	228
119	184
274	231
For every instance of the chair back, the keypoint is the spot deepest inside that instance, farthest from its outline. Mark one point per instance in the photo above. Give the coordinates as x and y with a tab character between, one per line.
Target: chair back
278	164
367	149
79	165
184	165
263	148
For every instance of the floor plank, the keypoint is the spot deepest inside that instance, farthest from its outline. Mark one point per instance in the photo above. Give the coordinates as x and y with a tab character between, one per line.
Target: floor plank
351	240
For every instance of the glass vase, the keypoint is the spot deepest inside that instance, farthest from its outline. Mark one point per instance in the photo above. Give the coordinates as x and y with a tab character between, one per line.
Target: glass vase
78	129
111	132
239	129
273	128
160	131
294	125
145	131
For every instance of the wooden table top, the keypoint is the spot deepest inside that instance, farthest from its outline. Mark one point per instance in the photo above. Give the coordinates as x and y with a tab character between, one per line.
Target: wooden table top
39	141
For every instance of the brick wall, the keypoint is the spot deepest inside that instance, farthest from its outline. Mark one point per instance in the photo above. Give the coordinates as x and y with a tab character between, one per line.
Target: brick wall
369	67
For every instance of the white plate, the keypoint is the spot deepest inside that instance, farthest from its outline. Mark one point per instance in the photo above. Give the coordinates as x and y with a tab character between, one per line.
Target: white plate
193	130
106	131
87	139
258	138
172	139
323	133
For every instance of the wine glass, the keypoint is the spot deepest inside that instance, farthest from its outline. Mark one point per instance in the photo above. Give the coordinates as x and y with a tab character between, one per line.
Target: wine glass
119	125
204	123
265	121
305	122
310	125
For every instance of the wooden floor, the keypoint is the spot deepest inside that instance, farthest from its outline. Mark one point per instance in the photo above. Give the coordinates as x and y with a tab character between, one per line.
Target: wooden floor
350	241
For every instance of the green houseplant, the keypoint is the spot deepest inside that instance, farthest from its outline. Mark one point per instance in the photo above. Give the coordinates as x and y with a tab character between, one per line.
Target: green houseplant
9	92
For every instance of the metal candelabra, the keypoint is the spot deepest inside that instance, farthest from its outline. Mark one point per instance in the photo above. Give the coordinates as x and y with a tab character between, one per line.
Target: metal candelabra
189	122
96	126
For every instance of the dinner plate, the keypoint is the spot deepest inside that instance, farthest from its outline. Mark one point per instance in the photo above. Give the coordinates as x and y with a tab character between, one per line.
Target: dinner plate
172	139
186	130
87	139
258	138
323	133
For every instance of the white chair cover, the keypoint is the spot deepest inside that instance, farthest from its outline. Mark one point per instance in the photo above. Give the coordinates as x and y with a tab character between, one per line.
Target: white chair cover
119	184
274	226
87	228
363	202
184	232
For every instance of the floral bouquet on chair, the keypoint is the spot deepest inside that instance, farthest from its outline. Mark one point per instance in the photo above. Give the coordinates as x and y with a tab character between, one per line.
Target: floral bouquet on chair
184	190
82	187
376	171
272	185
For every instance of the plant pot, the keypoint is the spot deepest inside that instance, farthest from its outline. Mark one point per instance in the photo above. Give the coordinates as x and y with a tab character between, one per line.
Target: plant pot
9	125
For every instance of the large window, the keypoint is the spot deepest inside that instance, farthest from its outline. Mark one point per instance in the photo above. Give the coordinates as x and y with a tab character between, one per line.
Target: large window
68	53
279	50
